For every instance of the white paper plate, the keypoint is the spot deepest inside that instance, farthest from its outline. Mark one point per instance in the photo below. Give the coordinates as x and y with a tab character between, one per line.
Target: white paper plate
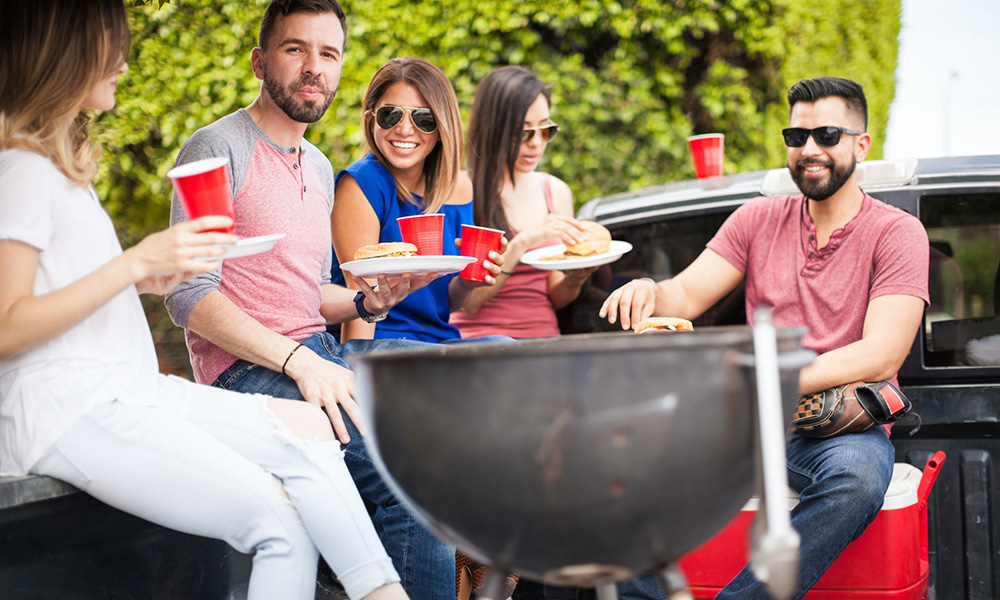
417	265
534	257
247	246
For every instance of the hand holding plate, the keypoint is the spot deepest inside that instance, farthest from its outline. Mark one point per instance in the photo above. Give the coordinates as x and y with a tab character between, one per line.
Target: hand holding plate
578	275
391	290
163	259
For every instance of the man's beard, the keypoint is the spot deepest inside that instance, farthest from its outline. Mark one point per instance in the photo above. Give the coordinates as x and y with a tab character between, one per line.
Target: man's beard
817	190
309	111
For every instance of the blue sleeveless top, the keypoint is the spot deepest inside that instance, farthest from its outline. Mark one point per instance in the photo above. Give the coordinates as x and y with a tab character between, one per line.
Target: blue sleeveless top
423	315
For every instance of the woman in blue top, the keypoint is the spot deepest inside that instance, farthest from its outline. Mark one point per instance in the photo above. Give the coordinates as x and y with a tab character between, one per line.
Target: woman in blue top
413	131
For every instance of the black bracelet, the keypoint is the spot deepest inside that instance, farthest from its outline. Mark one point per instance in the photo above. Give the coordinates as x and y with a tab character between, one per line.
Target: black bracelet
287	358
367	317
506	272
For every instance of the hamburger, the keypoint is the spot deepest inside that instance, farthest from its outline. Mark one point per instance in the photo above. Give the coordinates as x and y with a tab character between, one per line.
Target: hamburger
598	241
663	324
384	250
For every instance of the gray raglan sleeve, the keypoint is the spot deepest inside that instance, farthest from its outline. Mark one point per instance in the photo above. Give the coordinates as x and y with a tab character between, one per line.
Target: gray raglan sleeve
326	173
203	144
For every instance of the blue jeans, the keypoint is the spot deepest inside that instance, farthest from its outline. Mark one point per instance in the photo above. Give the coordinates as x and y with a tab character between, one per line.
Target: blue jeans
425	564
643	587
842	483
485	338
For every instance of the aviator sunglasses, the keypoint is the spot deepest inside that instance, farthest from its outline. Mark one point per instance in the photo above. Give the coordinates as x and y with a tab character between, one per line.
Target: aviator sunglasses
388	116
546	131
796	137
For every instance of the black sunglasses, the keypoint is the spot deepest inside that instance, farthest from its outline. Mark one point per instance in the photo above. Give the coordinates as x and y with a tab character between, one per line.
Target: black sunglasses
388	116
796	137
546	131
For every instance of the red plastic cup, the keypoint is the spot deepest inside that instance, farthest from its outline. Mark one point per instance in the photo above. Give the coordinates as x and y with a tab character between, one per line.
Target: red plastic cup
426	232
478	242
706	151
204	189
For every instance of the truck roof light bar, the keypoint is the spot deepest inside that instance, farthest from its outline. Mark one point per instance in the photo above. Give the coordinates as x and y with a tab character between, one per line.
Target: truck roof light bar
872	174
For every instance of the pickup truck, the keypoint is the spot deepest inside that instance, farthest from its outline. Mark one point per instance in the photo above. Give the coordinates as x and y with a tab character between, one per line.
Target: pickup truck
56	542
952	373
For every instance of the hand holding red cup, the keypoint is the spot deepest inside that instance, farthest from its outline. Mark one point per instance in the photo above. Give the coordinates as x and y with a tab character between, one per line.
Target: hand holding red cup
204	189
478	242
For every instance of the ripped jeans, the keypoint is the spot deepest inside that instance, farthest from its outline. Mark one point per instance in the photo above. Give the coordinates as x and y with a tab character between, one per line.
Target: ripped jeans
214	464
426	565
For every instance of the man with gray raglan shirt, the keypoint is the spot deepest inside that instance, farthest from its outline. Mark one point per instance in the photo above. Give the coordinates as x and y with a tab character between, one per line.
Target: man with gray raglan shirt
258	323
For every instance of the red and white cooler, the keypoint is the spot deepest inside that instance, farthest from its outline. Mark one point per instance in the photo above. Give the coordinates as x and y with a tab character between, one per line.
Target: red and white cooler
888	561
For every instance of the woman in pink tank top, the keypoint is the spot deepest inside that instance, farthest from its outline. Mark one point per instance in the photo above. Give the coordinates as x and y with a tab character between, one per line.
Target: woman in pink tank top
509	129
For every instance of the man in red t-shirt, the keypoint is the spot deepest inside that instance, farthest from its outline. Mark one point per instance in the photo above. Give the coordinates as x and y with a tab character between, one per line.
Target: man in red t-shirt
850	268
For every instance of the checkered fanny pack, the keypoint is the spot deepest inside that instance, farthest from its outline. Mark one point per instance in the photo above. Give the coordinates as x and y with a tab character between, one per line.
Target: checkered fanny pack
849	408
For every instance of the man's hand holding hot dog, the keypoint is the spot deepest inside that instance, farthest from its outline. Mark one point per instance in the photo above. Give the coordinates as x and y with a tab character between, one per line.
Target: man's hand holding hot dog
633	301
692	292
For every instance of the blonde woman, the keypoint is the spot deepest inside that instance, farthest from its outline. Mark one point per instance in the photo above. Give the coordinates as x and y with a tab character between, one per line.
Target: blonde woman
413	131
80	396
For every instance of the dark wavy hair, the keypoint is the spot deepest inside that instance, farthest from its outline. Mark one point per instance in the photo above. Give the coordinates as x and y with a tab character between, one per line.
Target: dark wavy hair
501	102
811	90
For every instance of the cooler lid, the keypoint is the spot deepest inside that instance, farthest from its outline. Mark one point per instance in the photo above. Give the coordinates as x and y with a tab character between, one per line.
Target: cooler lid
902	490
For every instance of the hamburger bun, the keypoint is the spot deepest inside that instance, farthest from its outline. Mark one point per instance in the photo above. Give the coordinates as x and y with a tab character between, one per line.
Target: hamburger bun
663	324
597	242
384	249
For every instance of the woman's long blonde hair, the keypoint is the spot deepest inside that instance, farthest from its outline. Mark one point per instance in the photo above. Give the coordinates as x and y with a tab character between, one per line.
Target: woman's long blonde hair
52	54
442	165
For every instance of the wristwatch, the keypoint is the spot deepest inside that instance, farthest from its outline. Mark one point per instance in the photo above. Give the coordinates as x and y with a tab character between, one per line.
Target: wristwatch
367	317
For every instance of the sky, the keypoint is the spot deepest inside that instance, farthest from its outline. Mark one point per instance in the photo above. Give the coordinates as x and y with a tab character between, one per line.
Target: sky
947	99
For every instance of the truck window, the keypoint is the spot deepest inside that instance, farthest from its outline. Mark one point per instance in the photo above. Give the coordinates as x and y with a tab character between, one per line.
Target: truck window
660	250
962	324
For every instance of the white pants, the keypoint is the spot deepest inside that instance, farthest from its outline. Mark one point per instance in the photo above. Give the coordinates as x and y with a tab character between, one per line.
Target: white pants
209	469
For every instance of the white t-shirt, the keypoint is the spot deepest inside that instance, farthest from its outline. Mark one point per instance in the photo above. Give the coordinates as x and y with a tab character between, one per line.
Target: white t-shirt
108	356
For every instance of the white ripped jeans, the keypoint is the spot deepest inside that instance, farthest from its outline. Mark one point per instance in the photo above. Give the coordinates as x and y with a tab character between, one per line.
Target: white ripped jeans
210	470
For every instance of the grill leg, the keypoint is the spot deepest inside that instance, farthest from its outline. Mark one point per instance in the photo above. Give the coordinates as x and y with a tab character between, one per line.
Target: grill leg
676	584
774	557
